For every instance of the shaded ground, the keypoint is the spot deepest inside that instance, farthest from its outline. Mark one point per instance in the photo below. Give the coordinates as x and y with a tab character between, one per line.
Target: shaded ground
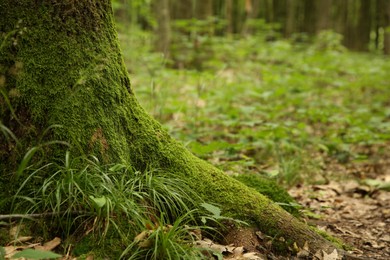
355	209
359	214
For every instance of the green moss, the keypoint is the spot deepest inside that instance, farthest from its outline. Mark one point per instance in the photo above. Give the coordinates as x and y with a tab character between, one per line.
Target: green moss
271	189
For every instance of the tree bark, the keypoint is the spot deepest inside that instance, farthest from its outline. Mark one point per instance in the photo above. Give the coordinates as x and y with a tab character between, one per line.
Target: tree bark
61	64
324	15
309	18
291	18
386	25
341	14
203	9
182	9
162	40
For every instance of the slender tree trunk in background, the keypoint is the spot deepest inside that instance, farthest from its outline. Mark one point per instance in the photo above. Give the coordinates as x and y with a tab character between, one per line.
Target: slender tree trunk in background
364	25
162	40
377	18
341	14
309	17
386	25
291	18
229	16
324	15
262	9
203	9
280	13
60	63
181	9
248	16
268	6
220	14
358	27
238	15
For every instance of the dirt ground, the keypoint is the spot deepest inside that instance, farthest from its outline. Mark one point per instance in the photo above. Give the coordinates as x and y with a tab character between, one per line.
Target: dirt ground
354	206
352	210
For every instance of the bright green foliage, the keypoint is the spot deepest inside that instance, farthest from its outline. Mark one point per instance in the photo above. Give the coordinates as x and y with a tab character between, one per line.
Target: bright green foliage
166	241
281	108
36	254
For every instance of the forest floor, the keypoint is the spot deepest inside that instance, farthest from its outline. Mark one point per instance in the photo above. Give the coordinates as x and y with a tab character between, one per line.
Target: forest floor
358	214
354	210
315	119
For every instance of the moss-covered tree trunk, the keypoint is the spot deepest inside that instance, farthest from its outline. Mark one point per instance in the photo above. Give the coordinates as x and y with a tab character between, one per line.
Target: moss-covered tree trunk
60	63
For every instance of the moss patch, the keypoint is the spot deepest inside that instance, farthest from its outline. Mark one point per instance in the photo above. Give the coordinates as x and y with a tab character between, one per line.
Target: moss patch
271	189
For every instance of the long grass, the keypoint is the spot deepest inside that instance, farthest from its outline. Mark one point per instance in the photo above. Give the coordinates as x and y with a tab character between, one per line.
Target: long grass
81	196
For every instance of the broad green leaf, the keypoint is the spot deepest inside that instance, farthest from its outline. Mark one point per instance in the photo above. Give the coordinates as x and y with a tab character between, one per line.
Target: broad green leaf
26	159
2	253
36	254
212	209
117	167
98	202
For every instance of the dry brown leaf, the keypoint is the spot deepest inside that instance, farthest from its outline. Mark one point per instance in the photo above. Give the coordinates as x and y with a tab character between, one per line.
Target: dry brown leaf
15	230
11	250
20	240
238	250
303	252
48	246
332	256
141	236
253	256
145	243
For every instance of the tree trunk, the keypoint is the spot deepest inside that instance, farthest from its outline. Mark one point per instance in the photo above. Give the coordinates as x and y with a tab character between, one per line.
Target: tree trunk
61	64
324	15
291	18
309	18
386	25
162	40
182	9
358	25
203	9
229	16
341	14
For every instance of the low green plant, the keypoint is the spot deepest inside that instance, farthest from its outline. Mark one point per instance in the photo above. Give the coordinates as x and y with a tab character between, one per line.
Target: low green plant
36	254
167	241
82	192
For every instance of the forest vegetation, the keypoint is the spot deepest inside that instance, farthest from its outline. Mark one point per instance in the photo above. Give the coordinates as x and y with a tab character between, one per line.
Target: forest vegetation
181	127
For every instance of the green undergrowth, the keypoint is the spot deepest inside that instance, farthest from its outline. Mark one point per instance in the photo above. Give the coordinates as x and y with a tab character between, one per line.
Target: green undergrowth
280	108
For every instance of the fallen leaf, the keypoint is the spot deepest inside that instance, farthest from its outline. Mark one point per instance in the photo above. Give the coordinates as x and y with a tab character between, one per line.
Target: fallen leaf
48	246
20	240
332	256
304	252
11	250
141	236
